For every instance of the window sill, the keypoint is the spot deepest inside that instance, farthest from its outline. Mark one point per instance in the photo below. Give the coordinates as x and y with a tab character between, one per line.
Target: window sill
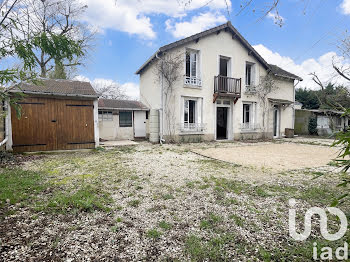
189	132
193	86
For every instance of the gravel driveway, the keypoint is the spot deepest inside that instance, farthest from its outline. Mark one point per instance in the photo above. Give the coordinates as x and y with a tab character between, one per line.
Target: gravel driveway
285	156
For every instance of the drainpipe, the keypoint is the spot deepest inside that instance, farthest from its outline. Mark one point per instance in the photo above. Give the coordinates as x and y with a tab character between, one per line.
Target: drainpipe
161	139
293	124
3	142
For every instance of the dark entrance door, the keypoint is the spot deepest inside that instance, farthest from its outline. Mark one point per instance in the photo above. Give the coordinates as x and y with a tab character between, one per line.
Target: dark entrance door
221	123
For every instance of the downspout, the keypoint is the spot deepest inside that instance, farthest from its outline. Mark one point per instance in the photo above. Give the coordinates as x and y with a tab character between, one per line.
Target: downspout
3	142
161	139
293	124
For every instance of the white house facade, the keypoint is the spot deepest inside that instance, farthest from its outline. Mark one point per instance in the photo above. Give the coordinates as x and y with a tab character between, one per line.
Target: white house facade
218	95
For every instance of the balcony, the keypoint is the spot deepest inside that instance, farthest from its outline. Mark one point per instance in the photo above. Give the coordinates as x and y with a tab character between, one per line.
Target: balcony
191	81
227	87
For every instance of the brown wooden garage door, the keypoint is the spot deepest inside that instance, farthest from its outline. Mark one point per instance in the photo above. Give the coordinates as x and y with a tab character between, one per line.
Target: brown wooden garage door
53	124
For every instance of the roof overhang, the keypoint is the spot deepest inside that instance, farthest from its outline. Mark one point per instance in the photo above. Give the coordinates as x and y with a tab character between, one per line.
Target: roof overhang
123	109
228	27
282	102
53	94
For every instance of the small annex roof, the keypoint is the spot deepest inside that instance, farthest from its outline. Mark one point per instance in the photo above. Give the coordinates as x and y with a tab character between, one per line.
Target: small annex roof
57	87
280	101
121	104
235	34
277	71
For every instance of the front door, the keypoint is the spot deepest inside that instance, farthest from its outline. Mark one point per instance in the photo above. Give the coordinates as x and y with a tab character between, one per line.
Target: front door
221	123
276	124
140	123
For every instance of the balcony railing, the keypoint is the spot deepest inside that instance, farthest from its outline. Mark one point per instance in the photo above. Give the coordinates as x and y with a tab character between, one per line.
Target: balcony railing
227	85
192	127
193	81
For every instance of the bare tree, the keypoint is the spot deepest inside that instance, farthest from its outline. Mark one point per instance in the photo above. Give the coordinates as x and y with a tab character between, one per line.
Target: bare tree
266	86
110	90
59	17
168	72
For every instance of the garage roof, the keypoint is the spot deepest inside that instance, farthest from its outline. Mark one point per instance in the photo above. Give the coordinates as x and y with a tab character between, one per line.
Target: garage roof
120	104
58	87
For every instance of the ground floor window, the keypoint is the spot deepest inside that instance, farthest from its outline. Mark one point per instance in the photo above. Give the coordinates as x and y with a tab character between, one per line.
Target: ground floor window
248	119
125	119
192	111
105	115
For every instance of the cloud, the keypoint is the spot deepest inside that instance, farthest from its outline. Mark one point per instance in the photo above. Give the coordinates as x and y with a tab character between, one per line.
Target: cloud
345	6
133	16
322	66
277	18
129	89
195	25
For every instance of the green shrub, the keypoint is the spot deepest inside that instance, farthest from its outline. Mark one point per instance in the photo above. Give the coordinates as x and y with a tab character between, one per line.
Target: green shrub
312	127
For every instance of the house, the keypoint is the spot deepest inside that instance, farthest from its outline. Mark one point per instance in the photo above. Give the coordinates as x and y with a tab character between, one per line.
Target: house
122	119
55	115
328	121
225	90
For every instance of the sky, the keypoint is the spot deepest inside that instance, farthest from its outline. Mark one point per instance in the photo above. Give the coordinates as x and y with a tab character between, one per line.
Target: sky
130	31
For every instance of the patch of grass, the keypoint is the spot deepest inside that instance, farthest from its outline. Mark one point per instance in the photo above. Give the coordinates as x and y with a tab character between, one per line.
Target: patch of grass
87	198
164	225
119	219
238	220
259	191
211	250
17	185
168	196
115	229
210	222
134	203
153	233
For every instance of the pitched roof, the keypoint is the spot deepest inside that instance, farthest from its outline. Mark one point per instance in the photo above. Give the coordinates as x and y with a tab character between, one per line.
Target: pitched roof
58	87
120	104
226	27
277	71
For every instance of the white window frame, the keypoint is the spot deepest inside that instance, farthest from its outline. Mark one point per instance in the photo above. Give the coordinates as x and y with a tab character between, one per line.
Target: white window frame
252	74
193	80
251	125
105	115
197	126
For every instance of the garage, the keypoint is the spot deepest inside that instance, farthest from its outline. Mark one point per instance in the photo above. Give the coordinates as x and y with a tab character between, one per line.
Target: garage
55	115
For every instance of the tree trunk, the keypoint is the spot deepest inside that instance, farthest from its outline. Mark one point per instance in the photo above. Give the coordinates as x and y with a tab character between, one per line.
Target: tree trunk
43	71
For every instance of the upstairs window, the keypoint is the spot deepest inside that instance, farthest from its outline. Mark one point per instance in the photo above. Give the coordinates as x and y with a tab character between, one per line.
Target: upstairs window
125	119
249	74
191	63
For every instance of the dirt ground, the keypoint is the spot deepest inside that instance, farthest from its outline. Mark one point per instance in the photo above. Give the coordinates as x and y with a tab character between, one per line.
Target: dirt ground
278	157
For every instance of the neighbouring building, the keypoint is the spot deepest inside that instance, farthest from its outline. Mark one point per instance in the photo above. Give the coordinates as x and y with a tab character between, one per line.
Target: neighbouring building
122	119
218	94
328	121
55	115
